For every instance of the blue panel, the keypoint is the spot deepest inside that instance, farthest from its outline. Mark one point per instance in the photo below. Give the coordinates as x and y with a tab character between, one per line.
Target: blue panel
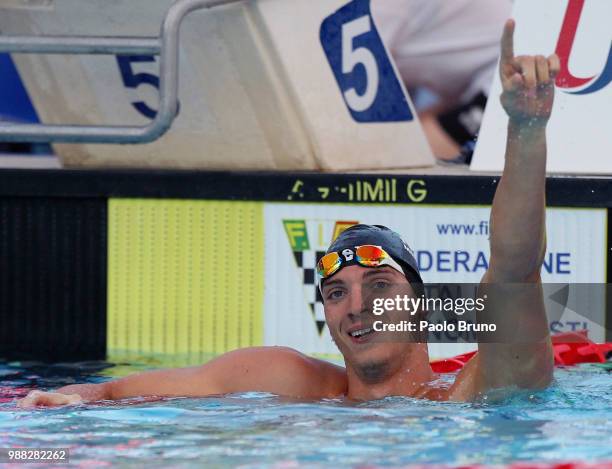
365	75
15	104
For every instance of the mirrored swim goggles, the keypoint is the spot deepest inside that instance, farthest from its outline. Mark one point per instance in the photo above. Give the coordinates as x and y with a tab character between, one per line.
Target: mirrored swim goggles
367	255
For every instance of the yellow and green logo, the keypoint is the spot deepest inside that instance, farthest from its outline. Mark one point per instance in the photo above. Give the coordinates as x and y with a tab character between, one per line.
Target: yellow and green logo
297	234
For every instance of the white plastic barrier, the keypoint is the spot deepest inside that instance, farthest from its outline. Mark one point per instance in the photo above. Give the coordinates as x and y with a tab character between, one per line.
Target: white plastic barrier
579	137
268	84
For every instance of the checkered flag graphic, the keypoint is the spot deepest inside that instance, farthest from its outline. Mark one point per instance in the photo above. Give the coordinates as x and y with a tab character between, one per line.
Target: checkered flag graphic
306	262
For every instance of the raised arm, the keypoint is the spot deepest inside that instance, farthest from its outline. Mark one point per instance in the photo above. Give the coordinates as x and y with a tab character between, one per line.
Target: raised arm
278	370
518	237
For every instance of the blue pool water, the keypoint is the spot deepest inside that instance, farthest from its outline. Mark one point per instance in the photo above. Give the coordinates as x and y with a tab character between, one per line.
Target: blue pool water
572	420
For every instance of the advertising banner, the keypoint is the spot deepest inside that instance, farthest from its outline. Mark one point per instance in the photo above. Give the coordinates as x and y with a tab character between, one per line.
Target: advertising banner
579	139
450	245
173	287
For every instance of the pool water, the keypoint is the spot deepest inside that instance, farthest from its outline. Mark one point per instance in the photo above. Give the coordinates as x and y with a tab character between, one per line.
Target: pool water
572	420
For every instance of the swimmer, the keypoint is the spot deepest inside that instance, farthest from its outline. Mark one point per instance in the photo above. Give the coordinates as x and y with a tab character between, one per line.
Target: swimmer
378	368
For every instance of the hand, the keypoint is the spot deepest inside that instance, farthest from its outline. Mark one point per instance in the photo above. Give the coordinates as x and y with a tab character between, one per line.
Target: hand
48	399
528	82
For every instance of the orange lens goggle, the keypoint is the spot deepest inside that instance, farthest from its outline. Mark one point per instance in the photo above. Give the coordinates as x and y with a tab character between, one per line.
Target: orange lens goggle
367	256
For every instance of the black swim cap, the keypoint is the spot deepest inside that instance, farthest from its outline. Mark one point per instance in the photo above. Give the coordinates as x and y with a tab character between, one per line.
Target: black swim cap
389	240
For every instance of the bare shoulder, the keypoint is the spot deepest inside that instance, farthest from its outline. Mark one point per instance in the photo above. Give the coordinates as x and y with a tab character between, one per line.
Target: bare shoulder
329	379
279	370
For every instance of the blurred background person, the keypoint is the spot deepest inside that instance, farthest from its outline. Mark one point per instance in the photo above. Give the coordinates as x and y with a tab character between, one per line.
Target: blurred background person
446	52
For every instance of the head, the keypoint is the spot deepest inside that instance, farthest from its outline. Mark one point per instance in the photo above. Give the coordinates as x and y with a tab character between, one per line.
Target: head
349	294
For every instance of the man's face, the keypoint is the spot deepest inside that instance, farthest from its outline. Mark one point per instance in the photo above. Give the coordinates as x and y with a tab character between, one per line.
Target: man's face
349	297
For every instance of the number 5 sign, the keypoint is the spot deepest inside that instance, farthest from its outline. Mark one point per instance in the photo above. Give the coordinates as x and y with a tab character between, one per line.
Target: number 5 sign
365	75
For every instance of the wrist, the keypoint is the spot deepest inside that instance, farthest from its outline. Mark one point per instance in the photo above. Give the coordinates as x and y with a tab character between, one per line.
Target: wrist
526	130
527	125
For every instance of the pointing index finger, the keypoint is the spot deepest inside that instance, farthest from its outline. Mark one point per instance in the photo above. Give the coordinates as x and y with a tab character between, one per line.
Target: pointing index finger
507	43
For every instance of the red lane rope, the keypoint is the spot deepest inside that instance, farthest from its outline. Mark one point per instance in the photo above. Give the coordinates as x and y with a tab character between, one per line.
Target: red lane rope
569	348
